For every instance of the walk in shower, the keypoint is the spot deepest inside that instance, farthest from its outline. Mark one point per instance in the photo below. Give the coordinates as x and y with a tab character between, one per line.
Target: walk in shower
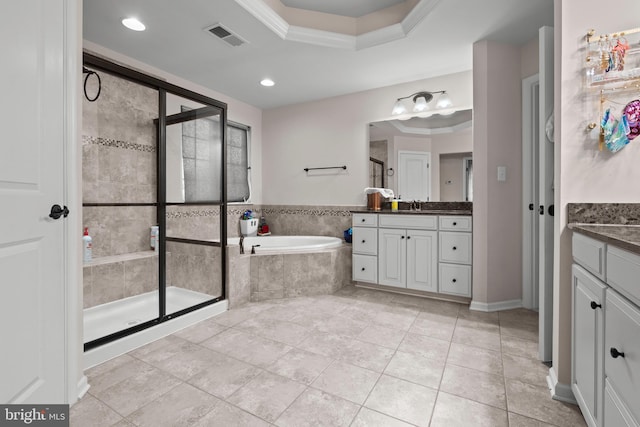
153	155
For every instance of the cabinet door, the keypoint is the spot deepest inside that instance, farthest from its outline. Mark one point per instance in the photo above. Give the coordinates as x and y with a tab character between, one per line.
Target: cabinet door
392	257
587	344
422	260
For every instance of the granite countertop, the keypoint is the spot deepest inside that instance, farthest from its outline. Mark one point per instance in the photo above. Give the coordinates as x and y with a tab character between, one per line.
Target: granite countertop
623	236
421	212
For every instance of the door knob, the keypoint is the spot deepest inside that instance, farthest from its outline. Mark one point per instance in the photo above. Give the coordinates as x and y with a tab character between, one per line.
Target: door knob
57	211
615	353
595	305
551	210
541	210
530	206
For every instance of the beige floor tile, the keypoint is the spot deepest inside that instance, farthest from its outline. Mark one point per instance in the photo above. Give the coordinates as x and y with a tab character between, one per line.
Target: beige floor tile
366	355
201	331
362	314
247	347
454	411
368	418
525	332
341	325
477	338
276	330
445	318
315	408
224	377
486	325
442	307
478	316
115	370
475	358
430	348
534	402
347	381
325	344
300	365
475	385
122	423
416	369
312	320
267	395
519	347
91	412
516	420
329	304
401	399
396	316
519	316
136	391
183	360
433	328
527	370
382	336
182	406
226	415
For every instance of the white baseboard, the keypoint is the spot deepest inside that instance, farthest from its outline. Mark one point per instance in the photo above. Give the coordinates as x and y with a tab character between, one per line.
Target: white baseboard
495	306
559	391
83	387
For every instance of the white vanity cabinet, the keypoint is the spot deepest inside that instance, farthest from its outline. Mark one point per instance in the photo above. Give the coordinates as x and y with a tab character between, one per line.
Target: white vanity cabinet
605	375
364	240
454	250
410	254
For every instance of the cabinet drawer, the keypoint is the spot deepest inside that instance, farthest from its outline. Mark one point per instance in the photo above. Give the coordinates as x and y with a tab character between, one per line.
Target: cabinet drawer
455	279
589	253
455	247
364	220
365	240
622	329
365	268
419	222
455	223
623	272
615	413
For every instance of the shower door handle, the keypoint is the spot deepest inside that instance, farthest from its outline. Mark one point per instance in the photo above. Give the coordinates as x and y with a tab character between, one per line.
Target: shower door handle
57	211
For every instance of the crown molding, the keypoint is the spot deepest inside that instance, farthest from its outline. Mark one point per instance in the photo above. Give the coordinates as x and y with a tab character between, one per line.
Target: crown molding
272	20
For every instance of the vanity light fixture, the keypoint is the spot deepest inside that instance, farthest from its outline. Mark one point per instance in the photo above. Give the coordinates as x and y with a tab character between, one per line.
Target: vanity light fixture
133	24
421	102
267	82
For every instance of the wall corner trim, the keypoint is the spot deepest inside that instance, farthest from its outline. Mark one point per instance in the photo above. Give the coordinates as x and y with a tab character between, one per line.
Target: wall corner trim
559	391
495	306
83	387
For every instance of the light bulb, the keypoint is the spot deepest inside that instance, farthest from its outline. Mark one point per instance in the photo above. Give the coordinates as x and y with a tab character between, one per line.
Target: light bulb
444	101
398	108
133	24
421	104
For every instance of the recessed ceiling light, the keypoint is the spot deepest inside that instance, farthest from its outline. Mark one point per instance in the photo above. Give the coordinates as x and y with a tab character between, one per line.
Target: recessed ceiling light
267	82
133	24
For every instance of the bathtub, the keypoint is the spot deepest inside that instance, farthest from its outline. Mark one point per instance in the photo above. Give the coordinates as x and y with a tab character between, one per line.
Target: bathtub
287	244
288	266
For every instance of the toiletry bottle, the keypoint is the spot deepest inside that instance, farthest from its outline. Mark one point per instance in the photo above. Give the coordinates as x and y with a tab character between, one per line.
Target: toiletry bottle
154	237
394	205
86	246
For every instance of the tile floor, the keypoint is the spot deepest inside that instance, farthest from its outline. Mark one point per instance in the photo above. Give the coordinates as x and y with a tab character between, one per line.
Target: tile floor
356	358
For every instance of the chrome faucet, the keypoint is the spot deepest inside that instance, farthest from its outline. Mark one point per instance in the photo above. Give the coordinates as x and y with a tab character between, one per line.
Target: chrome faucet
241	244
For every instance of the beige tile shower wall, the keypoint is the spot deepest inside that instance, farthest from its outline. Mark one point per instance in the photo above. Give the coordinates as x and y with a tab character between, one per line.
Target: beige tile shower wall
203	222
292	220
194	267
119	230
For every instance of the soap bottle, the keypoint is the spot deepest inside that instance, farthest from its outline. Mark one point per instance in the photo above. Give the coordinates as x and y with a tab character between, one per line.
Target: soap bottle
394	205
86	246
155	233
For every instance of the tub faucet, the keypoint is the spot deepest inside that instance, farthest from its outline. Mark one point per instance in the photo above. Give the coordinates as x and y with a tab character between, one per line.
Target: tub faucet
241	244
253	249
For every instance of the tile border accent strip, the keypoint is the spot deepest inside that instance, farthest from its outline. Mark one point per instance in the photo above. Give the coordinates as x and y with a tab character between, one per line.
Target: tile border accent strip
108	142
311	211
341	211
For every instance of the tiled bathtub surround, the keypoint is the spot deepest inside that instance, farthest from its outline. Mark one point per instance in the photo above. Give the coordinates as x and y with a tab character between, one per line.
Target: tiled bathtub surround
604	213
292	220
299	274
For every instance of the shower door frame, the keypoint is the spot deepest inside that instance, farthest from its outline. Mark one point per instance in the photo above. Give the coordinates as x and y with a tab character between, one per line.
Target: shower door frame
163	88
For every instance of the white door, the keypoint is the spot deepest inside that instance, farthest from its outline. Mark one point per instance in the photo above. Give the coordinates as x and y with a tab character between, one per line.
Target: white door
32	288
392	257
545	192
422	260
414	178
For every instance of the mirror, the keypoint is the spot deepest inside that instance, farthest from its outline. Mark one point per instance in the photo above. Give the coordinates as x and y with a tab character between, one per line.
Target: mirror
400	151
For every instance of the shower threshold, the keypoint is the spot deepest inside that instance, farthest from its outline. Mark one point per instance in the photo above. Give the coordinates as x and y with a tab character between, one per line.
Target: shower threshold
111	317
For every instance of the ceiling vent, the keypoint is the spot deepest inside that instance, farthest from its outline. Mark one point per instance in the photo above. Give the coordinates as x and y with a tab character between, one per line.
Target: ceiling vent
220	32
